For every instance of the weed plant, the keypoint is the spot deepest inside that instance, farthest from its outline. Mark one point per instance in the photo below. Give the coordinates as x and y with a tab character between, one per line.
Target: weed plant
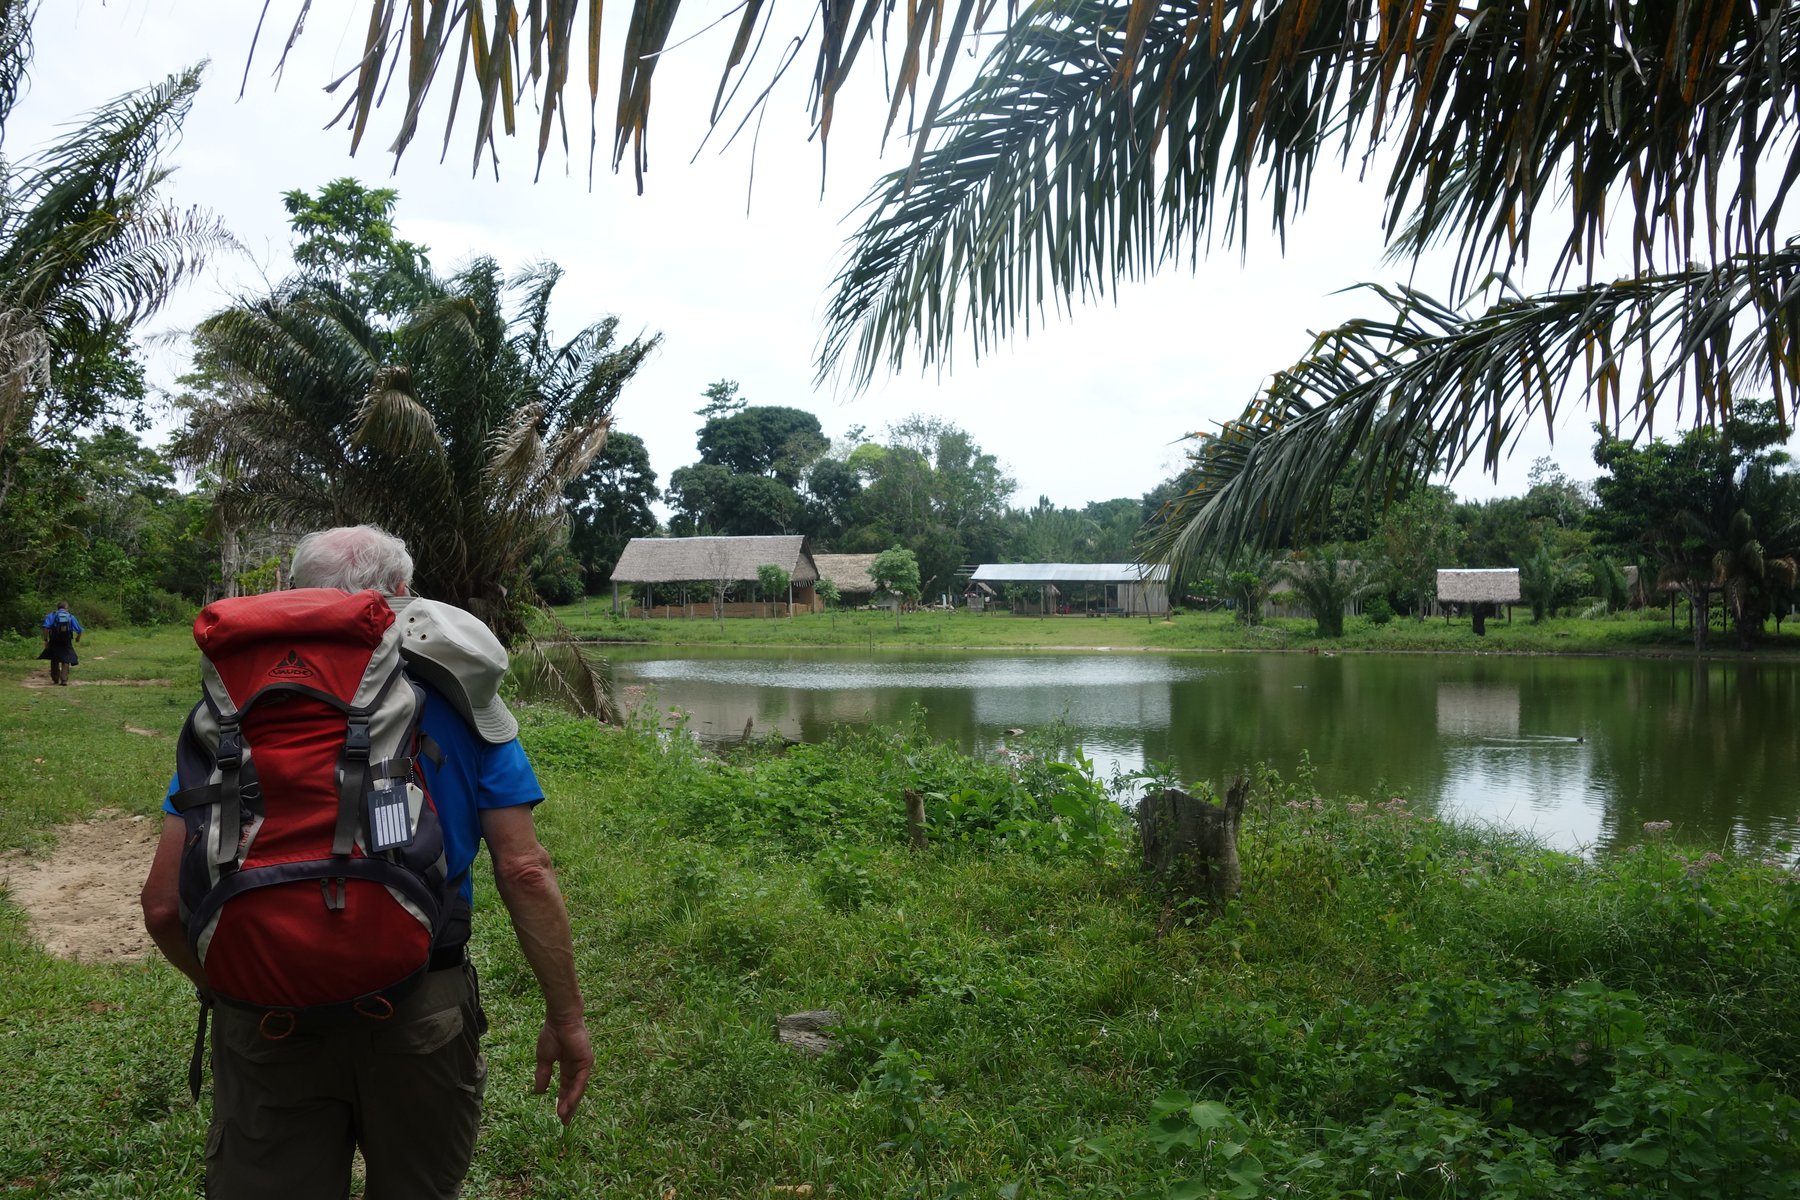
1392	1006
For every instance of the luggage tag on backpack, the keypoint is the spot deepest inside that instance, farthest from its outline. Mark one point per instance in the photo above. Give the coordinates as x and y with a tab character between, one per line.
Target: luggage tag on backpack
390	816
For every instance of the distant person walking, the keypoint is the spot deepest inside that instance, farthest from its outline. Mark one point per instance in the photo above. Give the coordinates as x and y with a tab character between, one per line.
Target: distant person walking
61	631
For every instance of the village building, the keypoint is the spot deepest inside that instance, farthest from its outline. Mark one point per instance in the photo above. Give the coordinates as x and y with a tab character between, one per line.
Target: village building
714	576
850	572
1475	591
1096	589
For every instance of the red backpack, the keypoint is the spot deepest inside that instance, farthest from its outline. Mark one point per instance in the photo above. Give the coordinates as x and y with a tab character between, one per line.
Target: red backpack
312	879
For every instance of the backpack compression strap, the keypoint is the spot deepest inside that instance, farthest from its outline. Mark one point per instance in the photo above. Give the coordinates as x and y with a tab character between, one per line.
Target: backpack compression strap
230	759
354	782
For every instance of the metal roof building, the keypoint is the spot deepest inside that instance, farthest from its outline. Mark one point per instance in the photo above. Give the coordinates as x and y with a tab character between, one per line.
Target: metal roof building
1069	573
1122	587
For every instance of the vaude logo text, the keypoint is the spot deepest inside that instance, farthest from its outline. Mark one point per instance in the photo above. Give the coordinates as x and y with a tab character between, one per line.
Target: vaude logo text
291	667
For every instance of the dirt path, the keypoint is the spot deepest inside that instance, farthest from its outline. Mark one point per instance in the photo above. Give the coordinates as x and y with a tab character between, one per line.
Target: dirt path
82	899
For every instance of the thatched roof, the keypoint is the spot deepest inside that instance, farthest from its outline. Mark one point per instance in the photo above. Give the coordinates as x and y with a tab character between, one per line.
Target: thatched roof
849	571
710	559
1498	585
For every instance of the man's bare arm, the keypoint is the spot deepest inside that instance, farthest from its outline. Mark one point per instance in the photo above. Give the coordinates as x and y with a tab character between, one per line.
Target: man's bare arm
161	900
527	884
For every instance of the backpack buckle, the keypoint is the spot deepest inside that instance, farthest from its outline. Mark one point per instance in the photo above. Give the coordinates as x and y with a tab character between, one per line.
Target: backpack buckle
231	746
356	739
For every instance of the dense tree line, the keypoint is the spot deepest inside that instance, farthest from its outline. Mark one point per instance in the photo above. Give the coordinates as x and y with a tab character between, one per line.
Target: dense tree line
1708	520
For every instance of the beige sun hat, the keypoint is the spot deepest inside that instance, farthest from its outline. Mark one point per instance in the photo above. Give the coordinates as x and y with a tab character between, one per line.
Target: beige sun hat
453	652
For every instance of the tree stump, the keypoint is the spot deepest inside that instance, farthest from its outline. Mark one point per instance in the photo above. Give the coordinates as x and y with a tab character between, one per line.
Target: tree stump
805	1031
915	819
1190	845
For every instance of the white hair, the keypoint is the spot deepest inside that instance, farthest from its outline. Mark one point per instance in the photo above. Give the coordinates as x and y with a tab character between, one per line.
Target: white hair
351	558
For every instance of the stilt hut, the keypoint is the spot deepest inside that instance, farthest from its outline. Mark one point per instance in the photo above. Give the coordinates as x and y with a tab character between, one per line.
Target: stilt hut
1478	592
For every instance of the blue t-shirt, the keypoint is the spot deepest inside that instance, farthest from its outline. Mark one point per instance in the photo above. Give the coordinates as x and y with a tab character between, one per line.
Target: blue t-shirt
74	624
473	776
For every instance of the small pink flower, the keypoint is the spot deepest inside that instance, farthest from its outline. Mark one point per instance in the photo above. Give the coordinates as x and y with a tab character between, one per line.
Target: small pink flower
1657	828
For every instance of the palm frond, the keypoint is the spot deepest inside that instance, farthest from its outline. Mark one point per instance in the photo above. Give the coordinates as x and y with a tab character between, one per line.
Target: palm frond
109	160
1429	389
1099	143
118	266
15	53
496	47
557	670
395	424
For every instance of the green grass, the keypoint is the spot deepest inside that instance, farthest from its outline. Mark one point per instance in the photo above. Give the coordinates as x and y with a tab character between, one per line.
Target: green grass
1647	632
1393	1007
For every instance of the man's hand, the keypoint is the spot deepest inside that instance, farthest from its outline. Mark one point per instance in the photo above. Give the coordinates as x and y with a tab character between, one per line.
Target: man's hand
564	1047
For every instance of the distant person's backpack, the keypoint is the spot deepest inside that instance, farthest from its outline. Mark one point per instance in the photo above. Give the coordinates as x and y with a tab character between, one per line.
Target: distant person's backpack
312	879
62	621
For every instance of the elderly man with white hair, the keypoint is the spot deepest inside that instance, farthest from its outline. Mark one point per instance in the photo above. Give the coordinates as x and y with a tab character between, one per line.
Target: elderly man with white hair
288	1113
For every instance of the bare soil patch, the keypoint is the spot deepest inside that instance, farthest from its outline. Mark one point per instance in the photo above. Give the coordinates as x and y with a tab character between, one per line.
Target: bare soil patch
82	898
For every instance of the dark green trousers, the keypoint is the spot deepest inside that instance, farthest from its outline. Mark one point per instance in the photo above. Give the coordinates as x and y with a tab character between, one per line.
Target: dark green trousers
288	1112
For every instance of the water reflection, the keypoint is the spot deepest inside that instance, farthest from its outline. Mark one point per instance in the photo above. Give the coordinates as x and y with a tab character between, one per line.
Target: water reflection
1581	751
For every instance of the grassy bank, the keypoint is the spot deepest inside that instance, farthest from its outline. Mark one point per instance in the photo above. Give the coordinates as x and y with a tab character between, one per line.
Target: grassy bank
1623	633
1393	1008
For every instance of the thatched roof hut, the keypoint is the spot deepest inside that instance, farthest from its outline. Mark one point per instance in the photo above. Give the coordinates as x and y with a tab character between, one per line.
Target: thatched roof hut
1498	585
849	571
712	559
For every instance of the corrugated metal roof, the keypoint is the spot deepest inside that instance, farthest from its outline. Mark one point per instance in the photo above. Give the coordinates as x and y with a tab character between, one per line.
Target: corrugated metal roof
1068	573
682	560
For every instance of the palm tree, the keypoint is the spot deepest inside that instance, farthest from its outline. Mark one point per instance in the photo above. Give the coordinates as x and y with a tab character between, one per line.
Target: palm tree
1750	577
1328	583
1540	577
86	250
1105	139
458	430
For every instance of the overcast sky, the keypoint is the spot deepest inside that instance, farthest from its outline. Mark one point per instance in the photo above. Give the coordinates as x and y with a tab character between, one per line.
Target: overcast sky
1090	407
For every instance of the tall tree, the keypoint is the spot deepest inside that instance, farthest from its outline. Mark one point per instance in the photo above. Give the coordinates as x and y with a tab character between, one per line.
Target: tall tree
1678	503
711	499
609	504
1416	538
345	239
459	434
764	439
935	492
87	251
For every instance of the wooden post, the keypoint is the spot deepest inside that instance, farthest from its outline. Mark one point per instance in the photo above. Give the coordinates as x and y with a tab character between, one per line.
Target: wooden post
915	819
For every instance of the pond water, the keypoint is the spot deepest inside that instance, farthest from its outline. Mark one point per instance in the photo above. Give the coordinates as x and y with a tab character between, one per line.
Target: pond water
1580	751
